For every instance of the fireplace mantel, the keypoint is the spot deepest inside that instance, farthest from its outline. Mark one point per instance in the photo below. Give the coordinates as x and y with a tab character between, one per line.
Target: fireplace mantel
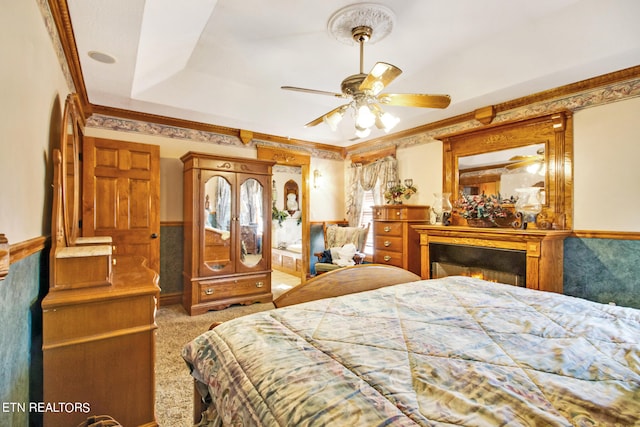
543	248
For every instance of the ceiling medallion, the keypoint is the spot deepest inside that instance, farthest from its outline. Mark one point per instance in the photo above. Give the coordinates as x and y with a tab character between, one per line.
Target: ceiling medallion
380	19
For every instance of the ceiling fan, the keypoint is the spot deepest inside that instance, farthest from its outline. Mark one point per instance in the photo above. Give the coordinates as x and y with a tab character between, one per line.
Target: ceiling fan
536	161
364	92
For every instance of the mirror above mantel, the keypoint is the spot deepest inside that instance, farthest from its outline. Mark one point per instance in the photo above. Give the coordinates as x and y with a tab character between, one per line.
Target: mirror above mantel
498	158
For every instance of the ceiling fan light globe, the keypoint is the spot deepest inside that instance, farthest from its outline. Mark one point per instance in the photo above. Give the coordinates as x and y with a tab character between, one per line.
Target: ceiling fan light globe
364	117
362	133
333	120
389	121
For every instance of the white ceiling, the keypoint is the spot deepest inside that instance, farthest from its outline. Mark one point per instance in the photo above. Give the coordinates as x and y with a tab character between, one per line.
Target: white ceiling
223	62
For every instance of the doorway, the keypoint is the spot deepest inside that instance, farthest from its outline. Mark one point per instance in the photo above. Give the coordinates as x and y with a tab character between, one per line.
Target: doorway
291	247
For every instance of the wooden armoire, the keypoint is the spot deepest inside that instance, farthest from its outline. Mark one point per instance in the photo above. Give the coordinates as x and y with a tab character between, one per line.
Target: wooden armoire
227	238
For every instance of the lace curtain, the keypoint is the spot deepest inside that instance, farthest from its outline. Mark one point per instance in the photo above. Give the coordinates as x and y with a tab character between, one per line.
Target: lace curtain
371	177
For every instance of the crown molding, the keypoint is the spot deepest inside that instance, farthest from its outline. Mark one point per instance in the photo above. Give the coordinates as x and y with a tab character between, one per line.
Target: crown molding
587	93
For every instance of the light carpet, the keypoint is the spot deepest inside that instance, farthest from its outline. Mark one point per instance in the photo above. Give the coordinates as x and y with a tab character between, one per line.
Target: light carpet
174	384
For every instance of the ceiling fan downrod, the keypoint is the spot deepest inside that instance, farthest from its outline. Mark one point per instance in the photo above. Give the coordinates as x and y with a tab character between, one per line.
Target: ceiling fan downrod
361	34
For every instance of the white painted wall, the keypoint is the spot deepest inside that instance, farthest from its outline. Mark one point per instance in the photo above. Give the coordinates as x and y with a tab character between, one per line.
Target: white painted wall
607	167
328	199
33	92
422	163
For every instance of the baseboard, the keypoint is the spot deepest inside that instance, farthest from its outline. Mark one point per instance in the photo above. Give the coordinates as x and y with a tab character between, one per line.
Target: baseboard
170	298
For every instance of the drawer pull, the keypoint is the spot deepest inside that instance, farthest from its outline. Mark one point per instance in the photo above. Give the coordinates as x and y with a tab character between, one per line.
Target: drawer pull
398	213
387	228
387	258
387	243
259	284
208	291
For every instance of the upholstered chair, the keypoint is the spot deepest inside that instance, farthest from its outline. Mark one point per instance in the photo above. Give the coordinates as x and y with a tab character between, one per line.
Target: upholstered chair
339	242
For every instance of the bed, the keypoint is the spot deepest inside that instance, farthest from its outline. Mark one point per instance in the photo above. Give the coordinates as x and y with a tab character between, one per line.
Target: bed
392	349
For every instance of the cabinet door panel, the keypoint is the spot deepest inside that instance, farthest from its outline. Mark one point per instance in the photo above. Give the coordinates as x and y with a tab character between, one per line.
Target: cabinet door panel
254	222
218	217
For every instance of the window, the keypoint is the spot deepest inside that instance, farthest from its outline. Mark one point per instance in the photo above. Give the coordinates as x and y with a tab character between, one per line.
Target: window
367	218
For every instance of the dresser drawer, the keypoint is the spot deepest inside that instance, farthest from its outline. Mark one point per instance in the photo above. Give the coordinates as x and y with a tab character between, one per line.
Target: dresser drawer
401	213
211	290
387	228
390	243
388	257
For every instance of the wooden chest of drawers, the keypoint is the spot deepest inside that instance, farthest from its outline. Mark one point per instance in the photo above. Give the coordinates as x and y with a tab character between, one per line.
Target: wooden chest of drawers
99	347
395	241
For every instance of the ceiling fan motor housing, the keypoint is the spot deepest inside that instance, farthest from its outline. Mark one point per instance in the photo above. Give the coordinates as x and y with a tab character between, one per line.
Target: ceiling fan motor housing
351	85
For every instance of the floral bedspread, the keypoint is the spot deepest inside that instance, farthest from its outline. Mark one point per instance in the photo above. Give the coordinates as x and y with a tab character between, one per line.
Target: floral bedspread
453	351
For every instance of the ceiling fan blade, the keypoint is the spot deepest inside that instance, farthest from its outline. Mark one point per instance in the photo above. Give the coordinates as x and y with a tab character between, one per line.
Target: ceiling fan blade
415	100
320	119
379	77
318	92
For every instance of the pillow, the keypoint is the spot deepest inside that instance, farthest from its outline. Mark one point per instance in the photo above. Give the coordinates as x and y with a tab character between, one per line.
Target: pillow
344	255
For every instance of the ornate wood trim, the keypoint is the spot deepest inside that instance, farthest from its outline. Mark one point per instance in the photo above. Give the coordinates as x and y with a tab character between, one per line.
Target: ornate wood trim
544	249
615	235
295	158
60	14
21	250
372	156
554	130
539	97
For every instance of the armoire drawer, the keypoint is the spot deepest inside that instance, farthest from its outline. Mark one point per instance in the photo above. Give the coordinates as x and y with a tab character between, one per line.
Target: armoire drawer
388	257
217	289
382	228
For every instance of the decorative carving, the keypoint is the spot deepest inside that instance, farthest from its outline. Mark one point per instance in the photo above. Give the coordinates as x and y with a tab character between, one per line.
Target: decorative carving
555	130
246	136
485	115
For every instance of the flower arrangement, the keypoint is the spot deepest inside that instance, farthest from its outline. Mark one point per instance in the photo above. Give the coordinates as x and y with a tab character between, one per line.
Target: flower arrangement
398	191
480	206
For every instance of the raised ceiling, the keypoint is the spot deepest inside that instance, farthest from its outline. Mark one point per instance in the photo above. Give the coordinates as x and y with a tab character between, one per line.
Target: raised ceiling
223	62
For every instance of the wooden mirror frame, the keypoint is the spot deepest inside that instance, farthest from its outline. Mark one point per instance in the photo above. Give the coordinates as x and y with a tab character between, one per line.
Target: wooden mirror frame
554	130
70	145
296	158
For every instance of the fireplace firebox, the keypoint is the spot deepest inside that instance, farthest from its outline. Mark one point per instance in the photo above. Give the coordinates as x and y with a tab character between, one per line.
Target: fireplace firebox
492	264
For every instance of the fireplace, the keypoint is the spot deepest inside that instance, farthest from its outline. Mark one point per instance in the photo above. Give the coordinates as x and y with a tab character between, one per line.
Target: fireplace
532	258
495	265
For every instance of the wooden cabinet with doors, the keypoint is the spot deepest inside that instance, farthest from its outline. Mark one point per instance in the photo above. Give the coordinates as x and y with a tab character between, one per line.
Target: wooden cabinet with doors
227	238
395	241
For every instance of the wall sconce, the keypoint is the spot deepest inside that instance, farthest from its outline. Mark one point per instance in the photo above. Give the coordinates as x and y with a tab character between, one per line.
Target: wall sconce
317	178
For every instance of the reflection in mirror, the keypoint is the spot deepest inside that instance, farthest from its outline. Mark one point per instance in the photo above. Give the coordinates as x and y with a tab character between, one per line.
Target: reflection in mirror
503	172
69	146
251	222
217	221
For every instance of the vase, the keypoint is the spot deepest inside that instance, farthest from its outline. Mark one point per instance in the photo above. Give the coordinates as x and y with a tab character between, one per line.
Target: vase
529	203
480	222
441	207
